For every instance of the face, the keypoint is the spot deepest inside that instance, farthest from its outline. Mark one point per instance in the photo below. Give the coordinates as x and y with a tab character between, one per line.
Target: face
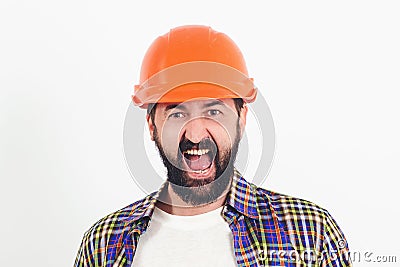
198	141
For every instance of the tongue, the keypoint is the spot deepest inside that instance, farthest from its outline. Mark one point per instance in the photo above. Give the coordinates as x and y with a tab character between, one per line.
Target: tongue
198	163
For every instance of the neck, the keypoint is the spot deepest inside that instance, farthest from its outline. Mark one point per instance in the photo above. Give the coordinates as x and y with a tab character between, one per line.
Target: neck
171	203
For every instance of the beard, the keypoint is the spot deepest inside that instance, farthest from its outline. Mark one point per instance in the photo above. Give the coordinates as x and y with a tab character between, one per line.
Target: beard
200	191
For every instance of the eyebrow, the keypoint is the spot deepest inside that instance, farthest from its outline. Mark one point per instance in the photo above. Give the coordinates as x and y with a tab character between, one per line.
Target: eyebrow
173	106
215	102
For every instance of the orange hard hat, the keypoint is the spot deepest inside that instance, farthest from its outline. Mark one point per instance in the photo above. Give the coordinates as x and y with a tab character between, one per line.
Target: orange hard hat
193	62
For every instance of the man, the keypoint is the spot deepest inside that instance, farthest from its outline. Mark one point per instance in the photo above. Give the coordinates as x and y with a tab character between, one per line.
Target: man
195	87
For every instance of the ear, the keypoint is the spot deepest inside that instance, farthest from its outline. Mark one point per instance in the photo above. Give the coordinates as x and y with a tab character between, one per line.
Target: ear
242	119
151	126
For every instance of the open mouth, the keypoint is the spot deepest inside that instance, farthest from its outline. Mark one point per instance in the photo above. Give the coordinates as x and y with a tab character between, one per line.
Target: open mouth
199	158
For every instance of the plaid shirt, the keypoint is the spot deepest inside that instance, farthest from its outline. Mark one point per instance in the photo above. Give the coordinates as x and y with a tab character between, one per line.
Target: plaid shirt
269	229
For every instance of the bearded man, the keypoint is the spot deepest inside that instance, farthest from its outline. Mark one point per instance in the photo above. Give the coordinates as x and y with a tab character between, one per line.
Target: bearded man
195	87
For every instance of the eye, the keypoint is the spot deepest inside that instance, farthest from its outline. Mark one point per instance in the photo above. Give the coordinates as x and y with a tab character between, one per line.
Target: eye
213	112
176	115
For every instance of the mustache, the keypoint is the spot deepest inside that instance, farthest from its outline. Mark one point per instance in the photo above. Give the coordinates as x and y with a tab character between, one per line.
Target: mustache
206	143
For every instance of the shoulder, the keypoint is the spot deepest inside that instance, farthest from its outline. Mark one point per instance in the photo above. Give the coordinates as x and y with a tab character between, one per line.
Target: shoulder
306	225
298	216
121	218
285	205
109	231
304	220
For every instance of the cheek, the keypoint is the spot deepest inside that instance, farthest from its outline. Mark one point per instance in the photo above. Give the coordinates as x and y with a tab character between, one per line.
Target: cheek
224	136
169	138
226	128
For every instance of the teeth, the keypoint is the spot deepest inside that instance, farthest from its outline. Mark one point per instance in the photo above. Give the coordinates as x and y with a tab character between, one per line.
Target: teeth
201	171
198	152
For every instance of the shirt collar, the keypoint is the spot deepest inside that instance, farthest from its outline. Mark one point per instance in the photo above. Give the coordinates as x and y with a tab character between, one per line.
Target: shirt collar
144	207
242	197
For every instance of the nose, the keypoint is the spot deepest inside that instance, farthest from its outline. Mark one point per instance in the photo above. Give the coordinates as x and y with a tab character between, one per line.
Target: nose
196	130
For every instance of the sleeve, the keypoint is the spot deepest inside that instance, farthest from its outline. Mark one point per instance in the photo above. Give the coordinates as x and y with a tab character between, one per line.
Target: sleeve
83	256
335	250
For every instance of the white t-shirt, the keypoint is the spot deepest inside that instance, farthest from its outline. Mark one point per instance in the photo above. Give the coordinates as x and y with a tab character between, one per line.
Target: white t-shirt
199	240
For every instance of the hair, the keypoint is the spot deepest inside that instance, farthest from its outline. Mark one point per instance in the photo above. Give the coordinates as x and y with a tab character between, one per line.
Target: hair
151	108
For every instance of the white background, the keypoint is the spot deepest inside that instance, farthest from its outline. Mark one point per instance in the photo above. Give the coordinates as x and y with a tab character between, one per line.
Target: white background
329	71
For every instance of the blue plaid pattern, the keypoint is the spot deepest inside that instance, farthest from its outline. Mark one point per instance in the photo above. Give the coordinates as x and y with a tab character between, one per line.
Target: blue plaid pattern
269	229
